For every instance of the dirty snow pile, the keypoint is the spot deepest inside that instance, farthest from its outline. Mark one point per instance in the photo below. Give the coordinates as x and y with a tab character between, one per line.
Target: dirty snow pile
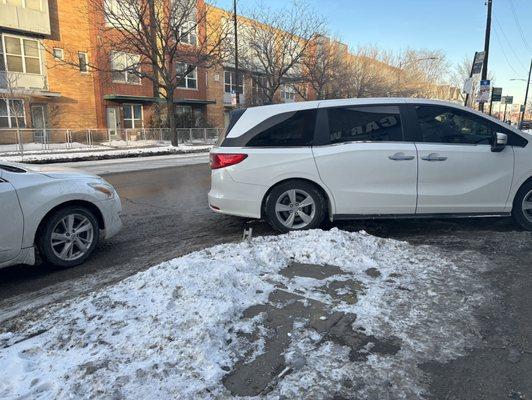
172	331
101	152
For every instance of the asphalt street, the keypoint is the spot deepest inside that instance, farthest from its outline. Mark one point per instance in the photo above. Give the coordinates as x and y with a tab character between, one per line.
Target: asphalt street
166	215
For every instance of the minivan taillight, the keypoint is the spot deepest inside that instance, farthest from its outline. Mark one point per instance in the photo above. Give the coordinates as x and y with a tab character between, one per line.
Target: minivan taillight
225	160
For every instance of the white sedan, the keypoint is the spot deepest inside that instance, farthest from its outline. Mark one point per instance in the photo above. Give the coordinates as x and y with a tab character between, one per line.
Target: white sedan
60	212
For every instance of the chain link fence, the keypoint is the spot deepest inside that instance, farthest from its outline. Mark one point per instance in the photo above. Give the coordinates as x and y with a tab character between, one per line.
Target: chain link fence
27	141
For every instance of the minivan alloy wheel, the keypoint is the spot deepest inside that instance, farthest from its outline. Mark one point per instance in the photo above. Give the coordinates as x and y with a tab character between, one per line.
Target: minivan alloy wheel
295	209
527	206
72	237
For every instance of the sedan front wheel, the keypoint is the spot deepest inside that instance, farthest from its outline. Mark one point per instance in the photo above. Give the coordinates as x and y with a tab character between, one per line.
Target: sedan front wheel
522	208
68	237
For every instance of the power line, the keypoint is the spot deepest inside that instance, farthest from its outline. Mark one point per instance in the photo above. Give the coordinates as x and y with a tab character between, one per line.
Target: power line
516	19
521	65
504	52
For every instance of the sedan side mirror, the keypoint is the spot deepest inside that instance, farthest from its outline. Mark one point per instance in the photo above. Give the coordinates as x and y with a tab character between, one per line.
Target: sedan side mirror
499	142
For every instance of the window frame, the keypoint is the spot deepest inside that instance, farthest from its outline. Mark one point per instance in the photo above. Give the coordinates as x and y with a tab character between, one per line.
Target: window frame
9	116
188	77
126	71
86	71
322	136
62	53
290	90
231	83
22	54
133	119
190	38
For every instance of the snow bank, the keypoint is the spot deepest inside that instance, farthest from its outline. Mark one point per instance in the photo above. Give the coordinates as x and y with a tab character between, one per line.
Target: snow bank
99	154
170	332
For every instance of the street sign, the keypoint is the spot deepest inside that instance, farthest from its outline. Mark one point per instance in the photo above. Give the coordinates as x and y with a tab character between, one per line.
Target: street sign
468	86
496	94
478	62
484	92
522	108
507	100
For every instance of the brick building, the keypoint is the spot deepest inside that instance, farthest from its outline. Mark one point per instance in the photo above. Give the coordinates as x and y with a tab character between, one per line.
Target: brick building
58	75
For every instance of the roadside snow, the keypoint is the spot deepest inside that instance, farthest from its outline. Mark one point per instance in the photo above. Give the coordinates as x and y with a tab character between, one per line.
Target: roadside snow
99	154
172	331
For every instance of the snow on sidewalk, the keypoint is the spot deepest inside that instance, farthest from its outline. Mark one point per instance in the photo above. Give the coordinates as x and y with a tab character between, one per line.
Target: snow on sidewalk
95	154
175	330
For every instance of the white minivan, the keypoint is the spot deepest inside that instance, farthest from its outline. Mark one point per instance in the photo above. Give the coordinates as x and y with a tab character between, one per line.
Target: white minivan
297	164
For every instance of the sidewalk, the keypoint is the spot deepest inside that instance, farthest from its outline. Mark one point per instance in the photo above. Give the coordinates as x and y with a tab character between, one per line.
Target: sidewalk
91	155
103	167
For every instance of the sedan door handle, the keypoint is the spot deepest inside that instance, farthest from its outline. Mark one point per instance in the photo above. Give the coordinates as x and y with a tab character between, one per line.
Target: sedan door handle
401	157
434	157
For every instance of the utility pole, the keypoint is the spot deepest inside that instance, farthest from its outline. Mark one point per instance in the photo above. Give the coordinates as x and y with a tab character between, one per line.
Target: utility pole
235	24
486	47
526	93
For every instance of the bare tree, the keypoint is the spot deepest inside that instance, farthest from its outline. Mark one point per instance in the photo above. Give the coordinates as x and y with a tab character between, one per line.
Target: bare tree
10	94
274	42
418	73
368	74
325	69
161	41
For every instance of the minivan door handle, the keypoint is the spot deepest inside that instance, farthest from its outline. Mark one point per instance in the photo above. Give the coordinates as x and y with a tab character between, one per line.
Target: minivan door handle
401	157
434	157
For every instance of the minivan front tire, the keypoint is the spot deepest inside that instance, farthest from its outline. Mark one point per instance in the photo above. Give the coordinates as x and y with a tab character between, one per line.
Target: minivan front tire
295	205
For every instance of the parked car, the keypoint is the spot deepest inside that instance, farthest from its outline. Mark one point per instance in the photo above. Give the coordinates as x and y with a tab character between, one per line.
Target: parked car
526	126
60	212
296	164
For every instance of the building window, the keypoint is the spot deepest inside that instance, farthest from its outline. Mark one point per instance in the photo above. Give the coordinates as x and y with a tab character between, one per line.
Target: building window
125	68
132	116
190	81
21	55
230	82
58	53
288	93
10	111
259	84
83	62
188	32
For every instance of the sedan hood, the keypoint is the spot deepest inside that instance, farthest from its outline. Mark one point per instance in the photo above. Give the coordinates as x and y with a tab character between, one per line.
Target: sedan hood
59	172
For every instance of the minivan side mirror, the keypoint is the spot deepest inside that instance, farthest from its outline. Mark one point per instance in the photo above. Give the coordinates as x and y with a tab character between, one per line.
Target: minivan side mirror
499	142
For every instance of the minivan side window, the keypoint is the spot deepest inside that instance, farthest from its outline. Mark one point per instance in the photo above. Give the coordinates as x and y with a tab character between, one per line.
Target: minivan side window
289	130
365	124
440	124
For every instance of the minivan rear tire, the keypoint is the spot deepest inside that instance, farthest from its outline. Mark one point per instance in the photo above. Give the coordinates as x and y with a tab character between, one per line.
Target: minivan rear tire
296	201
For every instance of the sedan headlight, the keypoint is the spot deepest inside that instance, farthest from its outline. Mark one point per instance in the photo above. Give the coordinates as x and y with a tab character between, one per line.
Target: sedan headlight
103	188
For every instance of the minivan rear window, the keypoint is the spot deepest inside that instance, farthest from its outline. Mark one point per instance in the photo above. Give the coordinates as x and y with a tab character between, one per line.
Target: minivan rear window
290	130
234	116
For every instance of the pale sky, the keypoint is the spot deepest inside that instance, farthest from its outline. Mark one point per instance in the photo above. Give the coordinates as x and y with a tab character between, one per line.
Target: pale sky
454	26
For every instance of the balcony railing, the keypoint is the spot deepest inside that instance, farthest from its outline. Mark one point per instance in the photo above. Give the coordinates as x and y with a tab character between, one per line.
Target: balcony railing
21	80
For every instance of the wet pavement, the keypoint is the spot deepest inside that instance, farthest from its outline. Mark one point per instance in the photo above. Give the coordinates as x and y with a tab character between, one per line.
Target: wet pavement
166	215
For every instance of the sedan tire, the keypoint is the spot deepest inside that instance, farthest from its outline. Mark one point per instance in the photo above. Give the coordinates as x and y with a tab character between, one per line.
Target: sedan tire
522	207
68	237
295	205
